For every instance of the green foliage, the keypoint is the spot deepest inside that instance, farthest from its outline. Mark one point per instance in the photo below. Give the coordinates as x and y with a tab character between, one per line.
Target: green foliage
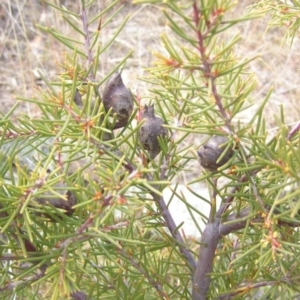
82	208
283	14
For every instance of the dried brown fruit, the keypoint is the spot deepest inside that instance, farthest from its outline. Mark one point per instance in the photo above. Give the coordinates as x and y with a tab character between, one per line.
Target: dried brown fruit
65	204
79	295
150	131
117	97
210	153
27	159
78	98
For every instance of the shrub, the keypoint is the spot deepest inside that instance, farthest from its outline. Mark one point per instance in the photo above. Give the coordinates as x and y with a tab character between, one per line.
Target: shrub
84	213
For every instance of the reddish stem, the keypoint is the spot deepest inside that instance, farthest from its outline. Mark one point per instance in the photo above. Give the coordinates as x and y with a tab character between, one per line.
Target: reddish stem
207	66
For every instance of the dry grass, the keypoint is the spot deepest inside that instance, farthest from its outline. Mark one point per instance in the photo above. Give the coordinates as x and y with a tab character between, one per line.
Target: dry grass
276	67
24	48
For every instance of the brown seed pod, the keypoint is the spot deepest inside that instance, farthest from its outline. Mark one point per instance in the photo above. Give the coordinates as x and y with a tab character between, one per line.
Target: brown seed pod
210	153
150	131
78	98
79	295
66	205
119	98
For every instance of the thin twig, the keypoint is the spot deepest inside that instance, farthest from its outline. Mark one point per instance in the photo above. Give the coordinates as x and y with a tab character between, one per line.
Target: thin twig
295	129
88	50
212	213
173	229
27	281
210	237
236	222
247	287
151	280
207	67
228	200
87	40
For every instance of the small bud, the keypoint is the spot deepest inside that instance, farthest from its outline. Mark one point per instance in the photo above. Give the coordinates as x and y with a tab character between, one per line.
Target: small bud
210	153
150	131
119	98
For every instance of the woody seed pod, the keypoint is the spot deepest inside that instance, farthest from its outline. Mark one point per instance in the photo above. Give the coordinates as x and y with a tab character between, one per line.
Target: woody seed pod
65	204
150	131
210	153
119	98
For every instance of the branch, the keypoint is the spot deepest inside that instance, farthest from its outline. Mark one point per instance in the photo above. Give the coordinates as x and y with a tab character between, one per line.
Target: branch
87	45
207	65
246	287
13	285
236	222
151	279
209	242
224	206
173	229
117	154
87	40
295	129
